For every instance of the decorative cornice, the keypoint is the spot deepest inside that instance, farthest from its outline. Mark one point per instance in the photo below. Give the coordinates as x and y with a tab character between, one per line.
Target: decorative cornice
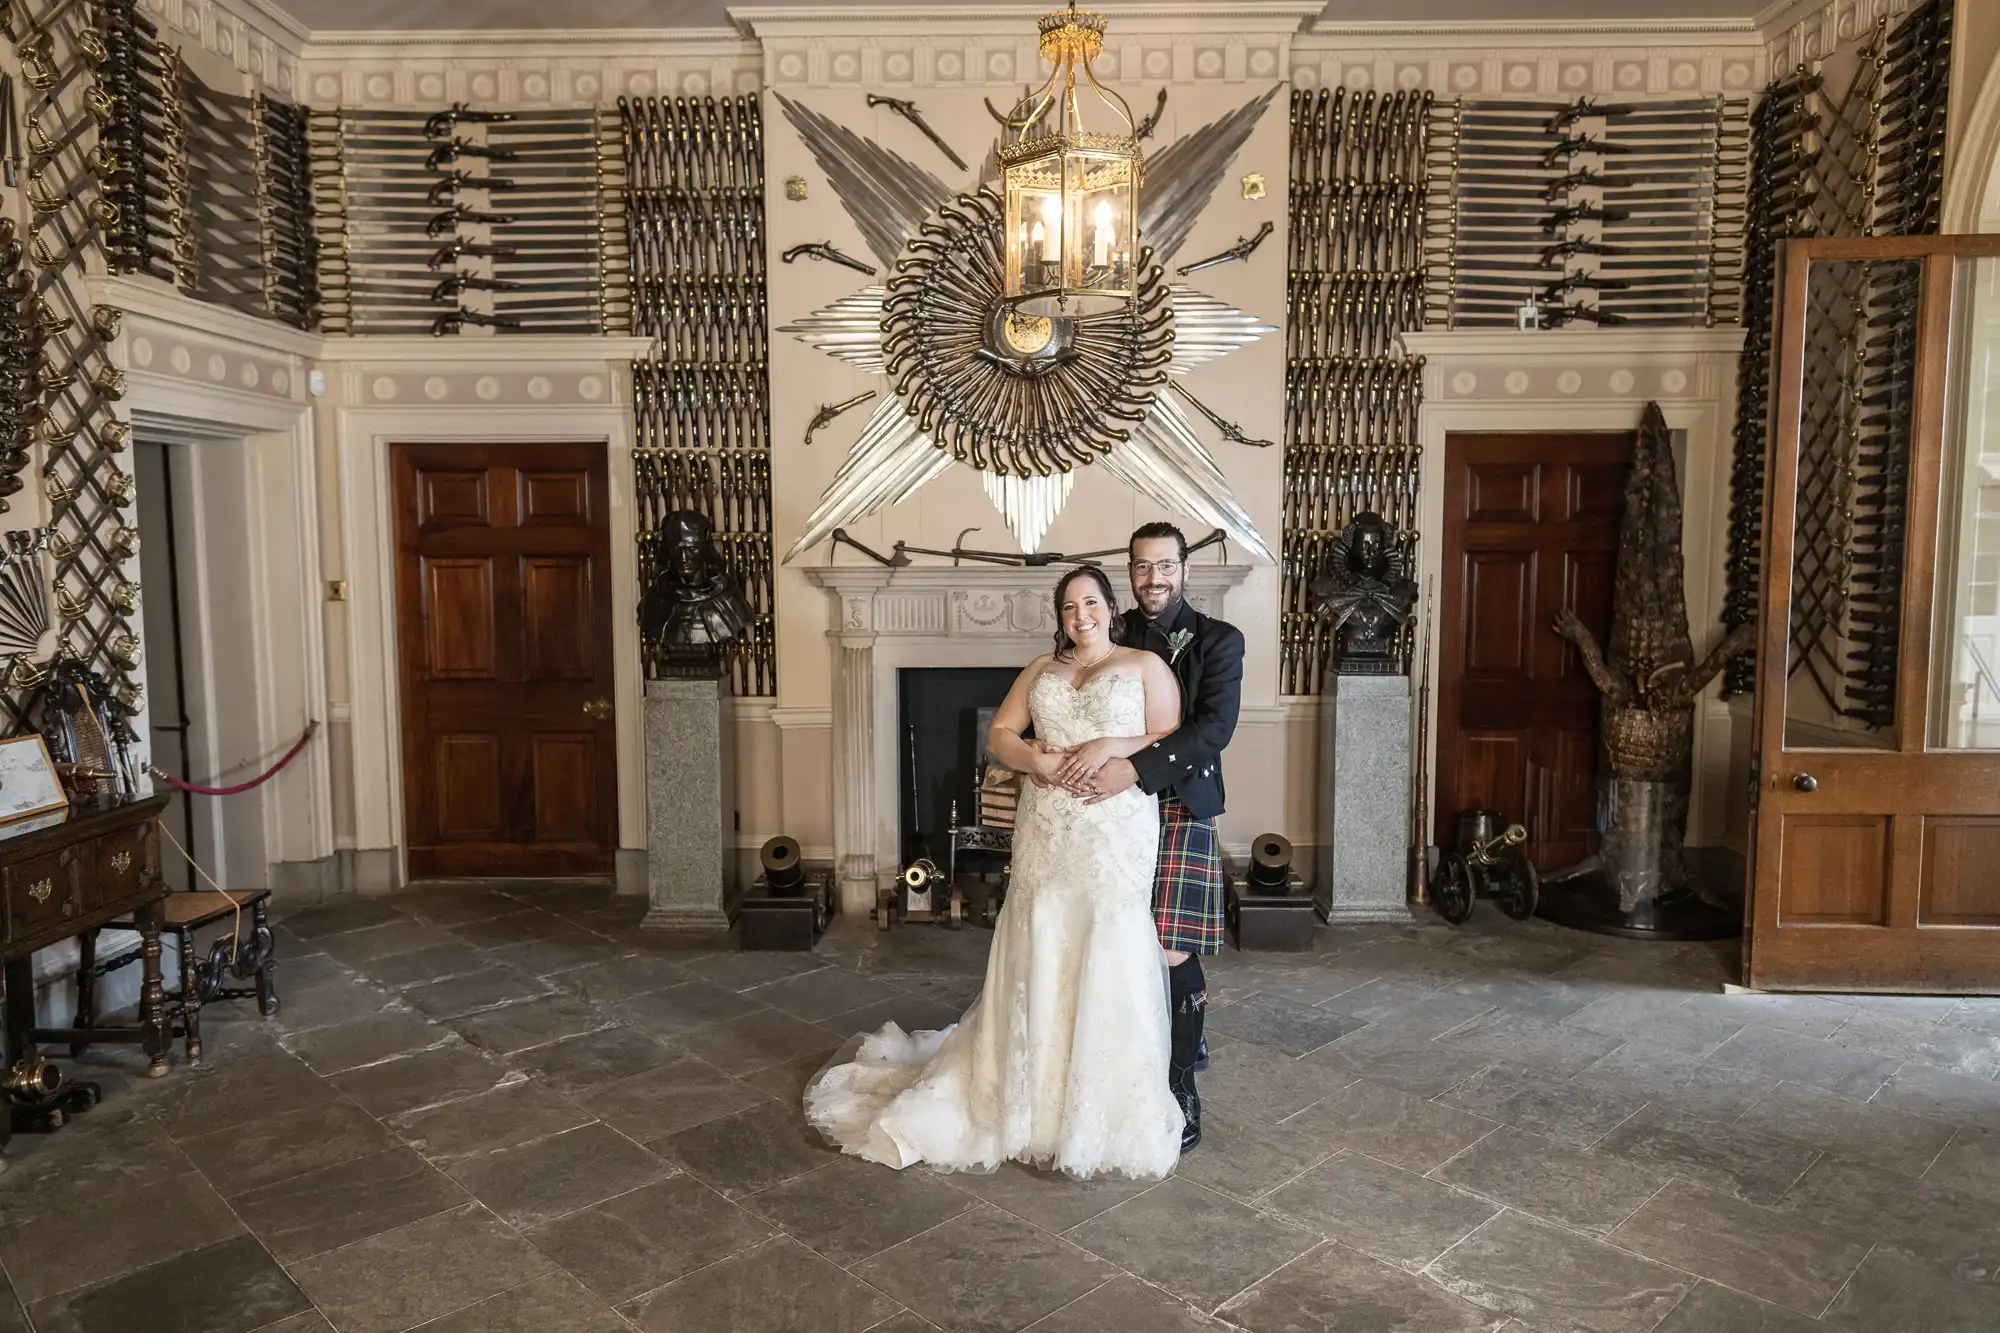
524	69
1533	60
1585	32
160	302
258	38
512	352
1277	17
1807	30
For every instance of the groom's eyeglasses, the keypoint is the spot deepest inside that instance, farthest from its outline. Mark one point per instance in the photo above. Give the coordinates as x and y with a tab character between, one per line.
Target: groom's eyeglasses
1144	567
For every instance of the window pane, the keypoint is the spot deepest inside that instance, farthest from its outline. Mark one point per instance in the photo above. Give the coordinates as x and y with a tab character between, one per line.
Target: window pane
1967	713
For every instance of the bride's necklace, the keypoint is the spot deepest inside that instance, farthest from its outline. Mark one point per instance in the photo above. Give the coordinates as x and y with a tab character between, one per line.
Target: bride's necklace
1083	667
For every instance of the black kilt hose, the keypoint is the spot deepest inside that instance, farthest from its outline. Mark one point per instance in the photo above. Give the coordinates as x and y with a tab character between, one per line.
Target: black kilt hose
1185	771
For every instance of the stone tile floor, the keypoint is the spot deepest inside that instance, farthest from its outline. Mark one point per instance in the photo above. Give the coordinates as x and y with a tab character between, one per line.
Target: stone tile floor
499	1108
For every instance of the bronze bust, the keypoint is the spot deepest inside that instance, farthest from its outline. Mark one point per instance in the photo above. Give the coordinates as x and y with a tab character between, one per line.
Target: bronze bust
693	613
1366	596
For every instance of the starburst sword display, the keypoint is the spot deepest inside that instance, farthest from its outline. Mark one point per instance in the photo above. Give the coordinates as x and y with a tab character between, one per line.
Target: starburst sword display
959	398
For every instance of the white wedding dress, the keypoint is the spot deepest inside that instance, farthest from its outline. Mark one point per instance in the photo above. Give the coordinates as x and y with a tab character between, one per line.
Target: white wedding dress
1062	1060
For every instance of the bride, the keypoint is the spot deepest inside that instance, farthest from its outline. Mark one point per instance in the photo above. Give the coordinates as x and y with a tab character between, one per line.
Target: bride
1062	1060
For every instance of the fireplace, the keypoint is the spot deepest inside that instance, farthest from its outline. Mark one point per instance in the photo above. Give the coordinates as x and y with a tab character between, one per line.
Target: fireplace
941	729
885	621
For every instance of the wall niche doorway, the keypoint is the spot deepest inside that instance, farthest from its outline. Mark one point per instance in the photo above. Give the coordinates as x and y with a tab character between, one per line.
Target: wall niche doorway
503	627
1530	526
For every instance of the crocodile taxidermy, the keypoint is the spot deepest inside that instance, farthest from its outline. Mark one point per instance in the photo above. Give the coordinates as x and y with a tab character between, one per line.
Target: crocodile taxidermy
1647	675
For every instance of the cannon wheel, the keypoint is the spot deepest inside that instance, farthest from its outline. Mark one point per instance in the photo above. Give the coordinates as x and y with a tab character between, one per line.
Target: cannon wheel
1522	890
1453	892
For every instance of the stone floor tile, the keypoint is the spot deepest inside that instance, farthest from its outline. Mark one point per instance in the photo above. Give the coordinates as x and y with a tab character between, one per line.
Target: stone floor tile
1337	1290
1859	1131
1838	1069
1126	1305
1526	995
351	913
748	1151
1383	1211
984	1272
312	1321
849	1210
1748	1163
1396	1127
1049	1199
745	969
1283	1025
1583	1190
650	1106
1927	1221
513	928
456	908
60	1251
1247	1159
1803	1015
1256	1083
232	1286
1712	1309
1890	1292
786	1081
1971	1161
1571	1112
778	1287
621	978
1502	1037
1412	1064
552	1303
755	1041
364	1041
516	1027
428	1078
1408	960
326	1209
1148	1235
592	1059
1970	1102
1552	1278
911	1011
1778	1257
1656	1022
398	1279
532	1183
248	1157
1678	1081
355	947
340	999
47	1173
1530	946
434	963
1412	1011
520	1112
472	992
13	1319
559	950
633	1243
823	994
262	1085
684	1008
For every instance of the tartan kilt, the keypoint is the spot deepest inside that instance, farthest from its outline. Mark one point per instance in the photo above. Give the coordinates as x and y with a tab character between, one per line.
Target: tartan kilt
1187	884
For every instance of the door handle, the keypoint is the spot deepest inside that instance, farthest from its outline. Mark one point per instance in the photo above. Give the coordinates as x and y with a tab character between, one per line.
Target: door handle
598	708
1805	782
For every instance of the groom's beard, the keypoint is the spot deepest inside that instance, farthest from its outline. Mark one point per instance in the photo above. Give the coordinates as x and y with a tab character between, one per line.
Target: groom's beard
1165	613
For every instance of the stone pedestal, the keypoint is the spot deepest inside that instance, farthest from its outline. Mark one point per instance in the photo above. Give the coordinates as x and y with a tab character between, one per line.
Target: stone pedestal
1364	810
690	806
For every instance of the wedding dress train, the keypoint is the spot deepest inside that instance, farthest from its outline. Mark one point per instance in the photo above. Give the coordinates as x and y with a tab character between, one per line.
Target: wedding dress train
1062	1060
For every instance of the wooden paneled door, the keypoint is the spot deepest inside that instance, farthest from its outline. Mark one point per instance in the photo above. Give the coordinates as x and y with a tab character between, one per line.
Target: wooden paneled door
1875	855
1530	527
503	615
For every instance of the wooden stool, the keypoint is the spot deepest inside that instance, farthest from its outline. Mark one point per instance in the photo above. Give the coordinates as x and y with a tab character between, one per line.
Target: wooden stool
182	914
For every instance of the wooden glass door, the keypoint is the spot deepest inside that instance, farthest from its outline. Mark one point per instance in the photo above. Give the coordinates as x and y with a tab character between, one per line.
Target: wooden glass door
1876	833
503	614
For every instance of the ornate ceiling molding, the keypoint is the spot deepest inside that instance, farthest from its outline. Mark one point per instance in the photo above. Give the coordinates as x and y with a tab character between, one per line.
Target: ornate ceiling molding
258	38
1535	60
525	69
1800	31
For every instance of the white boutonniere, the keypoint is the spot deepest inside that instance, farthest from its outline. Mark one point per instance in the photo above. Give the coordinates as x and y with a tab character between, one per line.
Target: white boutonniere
1177	643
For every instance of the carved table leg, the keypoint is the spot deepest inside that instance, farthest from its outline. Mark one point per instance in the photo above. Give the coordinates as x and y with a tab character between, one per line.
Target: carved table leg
152	995
86	988
267	973
190	995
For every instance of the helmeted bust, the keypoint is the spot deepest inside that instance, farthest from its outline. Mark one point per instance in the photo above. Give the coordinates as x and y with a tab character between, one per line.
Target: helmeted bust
693	612
1366	595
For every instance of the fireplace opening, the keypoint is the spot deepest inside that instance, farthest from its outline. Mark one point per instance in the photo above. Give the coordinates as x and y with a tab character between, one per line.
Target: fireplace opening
941	758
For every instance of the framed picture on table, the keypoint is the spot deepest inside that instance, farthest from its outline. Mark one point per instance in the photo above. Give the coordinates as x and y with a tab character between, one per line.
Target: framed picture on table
28	782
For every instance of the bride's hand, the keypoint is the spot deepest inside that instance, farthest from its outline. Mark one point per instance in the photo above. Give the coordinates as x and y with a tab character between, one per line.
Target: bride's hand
1048	763
1083	762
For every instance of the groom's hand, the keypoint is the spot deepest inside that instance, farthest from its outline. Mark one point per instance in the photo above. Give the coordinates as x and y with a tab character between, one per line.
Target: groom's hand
1115	777
1038	744
1085	761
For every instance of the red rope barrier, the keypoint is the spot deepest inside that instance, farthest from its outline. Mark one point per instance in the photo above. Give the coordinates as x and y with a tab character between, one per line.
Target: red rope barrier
258	781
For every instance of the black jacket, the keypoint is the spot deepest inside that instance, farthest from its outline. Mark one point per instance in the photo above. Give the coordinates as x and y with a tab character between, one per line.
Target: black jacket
1188	763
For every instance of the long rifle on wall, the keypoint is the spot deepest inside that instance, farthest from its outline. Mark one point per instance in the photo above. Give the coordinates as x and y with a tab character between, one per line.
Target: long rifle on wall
1420	795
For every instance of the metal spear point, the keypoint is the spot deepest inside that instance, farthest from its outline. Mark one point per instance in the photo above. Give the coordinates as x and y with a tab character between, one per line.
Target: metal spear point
908	111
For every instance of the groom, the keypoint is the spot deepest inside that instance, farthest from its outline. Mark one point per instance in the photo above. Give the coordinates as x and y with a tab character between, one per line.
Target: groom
1185	772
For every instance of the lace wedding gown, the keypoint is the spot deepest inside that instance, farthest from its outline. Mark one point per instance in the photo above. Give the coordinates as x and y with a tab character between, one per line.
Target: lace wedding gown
1062	1060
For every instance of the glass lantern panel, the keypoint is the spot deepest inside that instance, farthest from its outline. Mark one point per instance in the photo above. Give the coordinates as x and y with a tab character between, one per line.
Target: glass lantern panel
1034	228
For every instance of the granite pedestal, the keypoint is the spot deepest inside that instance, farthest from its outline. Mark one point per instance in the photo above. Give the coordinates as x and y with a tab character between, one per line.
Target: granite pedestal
690	806
1364	814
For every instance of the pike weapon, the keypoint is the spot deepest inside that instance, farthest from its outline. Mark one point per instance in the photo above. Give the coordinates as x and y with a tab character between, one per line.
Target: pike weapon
829	411
824	250
1244	247
908	111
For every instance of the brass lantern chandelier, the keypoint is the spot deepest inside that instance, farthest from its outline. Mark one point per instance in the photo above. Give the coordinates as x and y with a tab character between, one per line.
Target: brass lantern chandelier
1072	194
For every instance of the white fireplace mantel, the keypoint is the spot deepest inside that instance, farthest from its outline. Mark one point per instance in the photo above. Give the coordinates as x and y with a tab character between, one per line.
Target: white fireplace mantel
885	620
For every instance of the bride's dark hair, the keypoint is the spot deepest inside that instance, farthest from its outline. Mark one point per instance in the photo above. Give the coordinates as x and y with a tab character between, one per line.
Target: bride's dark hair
1064	645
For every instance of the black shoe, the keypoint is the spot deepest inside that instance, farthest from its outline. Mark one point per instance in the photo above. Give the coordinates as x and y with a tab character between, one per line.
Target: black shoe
1190	1102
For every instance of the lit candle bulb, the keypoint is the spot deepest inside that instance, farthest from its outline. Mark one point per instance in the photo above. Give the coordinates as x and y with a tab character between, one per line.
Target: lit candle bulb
1101	255
1051	229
